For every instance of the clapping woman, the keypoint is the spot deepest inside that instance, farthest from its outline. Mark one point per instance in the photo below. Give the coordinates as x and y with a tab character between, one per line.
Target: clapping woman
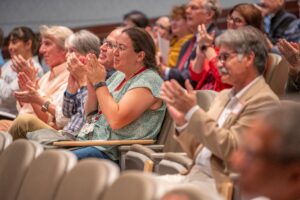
126	106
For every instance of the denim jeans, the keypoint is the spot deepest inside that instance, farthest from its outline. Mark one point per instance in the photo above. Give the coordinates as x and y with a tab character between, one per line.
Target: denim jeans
89	152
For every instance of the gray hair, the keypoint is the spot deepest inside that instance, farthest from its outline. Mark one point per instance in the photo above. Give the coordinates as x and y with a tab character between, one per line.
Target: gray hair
285	122
58	33
245	40
84	42
213	5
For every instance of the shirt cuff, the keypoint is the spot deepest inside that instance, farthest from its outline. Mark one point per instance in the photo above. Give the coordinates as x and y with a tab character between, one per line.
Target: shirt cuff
181	128
190	113
167	72
68	94
187	117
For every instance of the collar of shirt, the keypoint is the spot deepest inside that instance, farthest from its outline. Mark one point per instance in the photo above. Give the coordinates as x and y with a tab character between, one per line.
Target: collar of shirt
55	71
244	90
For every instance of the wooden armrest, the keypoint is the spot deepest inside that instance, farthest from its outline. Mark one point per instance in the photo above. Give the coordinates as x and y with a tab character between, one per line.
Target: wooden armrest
101	143
154	147
5	115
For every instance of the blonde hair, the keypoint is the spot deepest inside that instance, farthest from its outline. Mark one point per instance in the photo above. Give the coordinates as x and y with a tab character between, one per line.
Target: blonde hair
58	33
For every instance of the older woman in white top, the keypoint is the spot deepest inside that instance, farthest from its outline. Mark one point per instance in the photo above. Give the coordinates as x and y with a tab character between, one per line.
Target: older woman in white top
43	97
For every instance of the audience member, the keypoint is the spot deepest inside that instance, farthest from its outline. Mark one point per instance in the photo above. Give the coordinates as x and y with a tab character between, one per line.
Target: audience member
197	12
77	45
136	18
291	52
245	14
180	31
22	47
292	32
210	137
127	106
162	27
268	160
44	97
203	69
277	19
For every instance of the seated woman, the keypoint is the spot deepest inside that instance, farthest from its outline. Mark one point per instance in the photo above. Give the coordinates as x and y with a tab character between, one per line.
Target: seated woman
203	68
22	46
127	106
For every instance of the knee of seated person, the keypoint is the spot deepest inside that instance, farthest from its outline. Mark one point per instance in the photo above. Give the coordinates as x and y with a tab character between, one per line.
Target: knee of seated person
20	126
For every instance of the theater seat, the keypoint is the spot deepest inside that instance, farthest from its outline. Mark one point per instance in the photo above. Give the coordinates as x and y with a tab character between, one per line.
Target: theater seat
133	185
89	179
15	161
190	192
45	175
5	140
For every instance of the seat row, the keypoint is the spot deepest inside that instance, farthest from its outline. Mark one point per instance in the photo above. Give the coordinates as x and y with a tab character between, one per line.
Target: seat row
27	172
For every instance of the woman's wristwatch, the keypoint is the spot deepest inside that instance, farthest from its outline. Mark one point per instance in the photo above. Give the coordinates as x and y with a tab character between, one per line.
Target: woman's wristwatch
99	84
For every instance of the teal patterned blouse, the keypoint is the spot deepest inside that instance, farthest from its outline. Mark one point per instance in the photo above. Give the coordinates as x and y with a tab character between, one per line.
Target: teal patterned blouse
147	126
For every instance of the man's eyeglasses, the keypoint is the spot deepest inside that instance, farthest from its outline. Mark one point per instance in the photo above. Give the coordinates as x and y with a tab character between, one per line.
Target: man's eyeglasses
114	46
224	56
234	20
108	44
161	26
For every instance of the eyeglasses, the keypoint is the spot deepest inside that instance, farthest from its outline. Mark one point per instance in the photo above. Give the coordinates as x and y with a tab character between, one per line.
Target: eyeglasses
224	56
161	26
108	44
114	46
234	20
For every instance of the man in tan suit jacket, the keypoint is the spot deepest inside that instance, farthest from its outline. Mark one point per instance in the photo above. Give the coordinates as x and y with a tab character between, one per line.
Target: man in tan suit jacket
209	138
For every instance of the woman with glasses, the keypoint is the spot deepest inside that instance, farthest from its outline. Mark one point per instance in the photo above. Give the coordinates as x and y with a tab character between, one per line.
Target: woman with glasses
203	68
127	105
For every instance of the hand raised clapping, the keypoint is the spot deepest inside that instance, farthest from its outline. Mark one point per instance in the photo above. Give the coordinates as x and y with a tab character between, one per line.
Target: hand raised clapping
96	72
179	100
77	68
204	37
291	52
26	66
29	90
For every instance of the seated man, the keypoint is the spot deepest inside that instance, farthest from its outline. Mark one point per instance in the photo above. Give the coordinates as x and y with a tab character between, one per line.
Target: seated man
210	137
277	19
269	159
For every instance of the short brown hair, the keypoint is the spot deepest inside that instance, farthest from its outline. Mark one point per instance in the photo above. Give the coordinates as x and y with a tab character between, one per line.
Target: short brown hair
178	12
250	13
142	41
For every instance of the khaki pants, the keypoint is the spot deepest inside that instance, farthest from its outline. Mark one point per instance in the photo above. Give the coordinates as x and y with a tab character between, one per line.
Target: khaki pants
26	123
5	124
